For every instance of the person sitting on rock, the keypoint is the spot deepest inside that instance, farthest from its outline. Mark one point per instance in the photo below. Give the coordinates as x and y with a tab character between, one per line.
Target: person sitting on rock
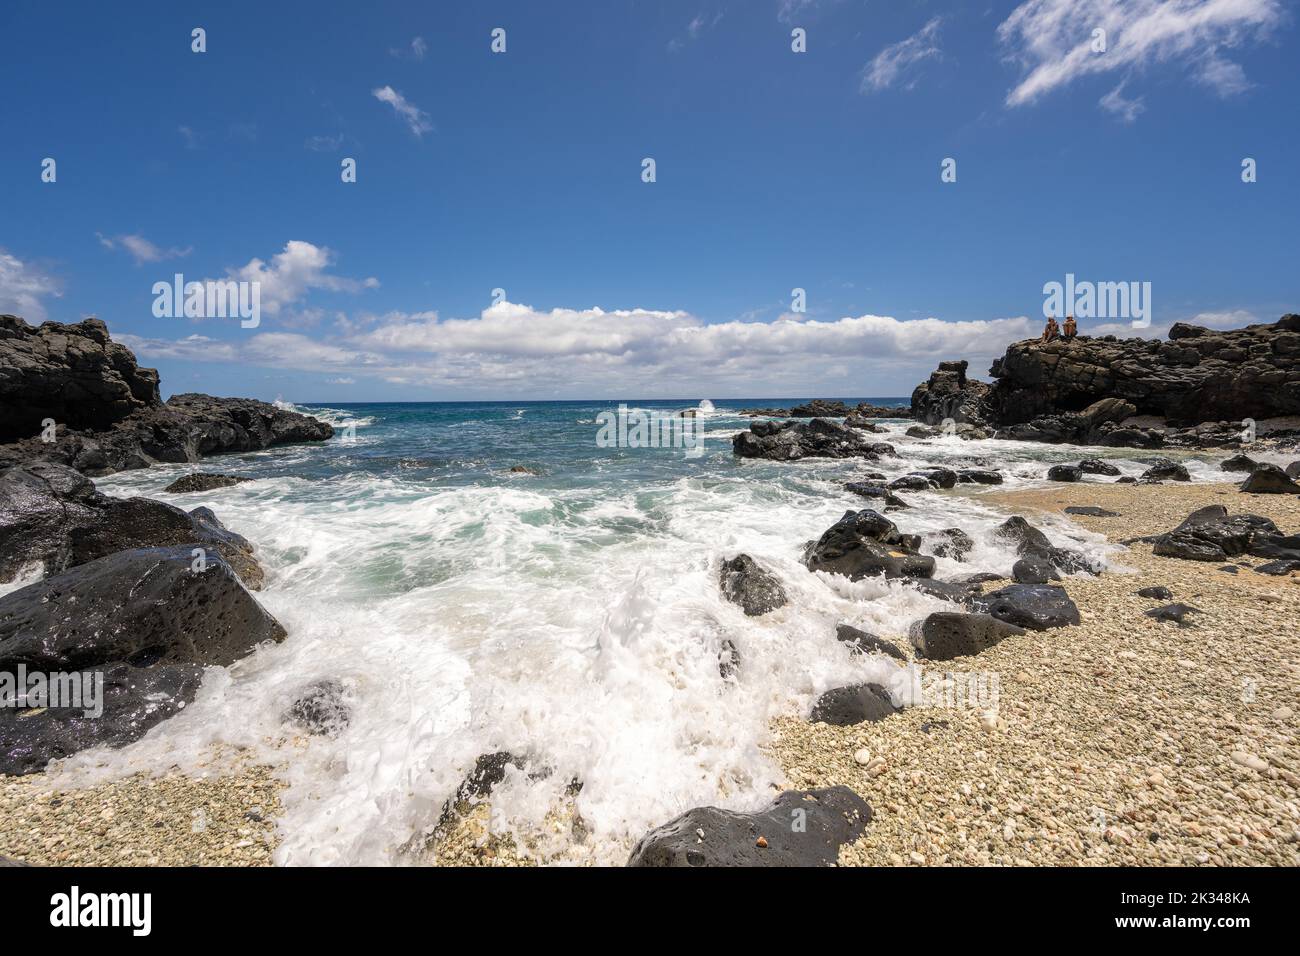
1071	327
1051	330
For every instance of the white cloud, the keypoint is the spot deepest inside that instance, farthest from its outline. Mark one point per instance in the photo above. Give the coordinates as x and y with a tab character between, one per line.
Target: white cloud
415	118
789	11
22	286
1052	40
897	61
415	51
700	23
1126	109
295	272
324	144
141	249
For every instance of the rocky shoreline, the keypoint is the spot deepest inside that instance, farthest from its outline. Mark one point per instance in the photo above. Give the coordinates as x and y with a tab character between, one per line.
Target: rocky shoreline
1141	718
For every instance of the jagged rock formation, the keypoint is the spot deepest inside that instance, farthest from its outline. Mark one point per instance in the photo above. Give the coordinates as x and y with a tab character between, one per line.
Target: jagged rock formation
107	412
1194	389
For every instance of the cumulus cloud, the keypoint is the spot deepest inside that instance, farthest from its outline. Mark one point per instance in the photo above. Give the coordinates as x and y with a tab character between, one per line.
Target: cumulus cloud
141	249
23	286
292	274
898	62
416	119
511	348
1052	40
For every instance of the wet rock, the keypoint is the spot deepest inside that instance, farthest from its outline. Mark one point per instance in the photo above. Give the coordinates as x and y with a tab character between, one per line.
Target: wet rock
944	590
943	477
846	706
1158	593
52	516
201	481
728	658
864	424
979	476
953	543
1028	540
1238	462
1097	466
1064	473
818	438
913	483
820	408
1034	569
865	543
757	591
1089	511
524	470
144	606
866	643
1269	480
134	700
1162	469
1033	606
947	635
321	709
980	577
1172	612
1293	470
922	431
708	836
868	490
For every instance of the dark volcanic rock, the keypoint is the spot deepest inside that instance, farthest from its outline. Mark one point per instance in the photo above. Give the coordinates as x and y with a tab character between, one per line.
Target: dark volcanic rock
134	699
865	543
913	483
846	706
1034	606
73	374
1096	466
943	477
957	591
820	408
1238	463
53	517
818	438
1293	470
1159	593
1278	568
949	395
757	591
954	543
1210	534
830	818
1034	569
201	481
869	490
1065	473
946	635
921	431
1172	612
1269	480
1028	540
144	606
979	477
1165	470
866	643
321	709
1090	511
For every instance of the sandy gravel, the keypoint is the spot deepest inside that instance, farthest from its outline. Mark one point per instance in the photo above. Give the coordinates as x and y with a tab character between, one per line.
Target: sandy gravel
1118	741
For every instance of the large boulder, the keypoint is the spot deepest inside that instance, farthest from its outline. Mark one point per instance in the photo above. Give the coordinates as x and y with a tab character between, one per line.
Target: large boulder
51	516
150	605
947	634
818	438
1269	479
756	590
1029	541
707	836
865	544
73	374
1211	534
949	395
1033	606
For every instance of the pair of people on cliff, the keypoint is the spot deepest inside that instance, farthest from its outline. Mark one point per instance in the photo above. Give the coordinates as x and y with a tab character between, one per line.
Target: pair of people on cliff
1052	330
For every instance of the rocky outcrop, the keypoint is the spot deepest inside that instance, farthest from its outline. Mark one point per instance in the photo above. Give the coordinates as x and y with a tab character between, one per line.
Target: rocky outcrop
819	438
708	836
950	395
73	374
1211	534
202	481
825	408
755	589
52	517
1193	390
106	412
866	543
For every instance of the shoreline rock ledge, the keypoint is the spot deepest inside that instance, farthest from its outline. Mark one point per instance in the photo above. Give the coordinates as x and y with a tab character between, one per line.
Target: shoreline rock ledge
107	411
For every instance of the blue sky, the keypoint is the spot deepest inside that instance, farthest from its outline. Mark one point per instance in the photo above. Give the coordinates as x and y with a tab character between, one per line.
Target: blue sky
521	171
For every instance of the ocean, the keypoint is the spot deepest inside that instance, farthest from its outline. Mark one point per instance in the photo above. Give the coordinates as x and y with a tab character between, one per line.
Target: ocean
571	615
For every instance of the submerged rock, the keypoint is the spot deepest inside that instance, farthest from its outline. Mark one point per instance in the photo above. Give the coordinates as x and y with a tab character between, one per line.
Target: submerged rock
947	634
865	543
954	543
708	836
863	642
846	706
869	490
757	591
1033	606
321	709
978	476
